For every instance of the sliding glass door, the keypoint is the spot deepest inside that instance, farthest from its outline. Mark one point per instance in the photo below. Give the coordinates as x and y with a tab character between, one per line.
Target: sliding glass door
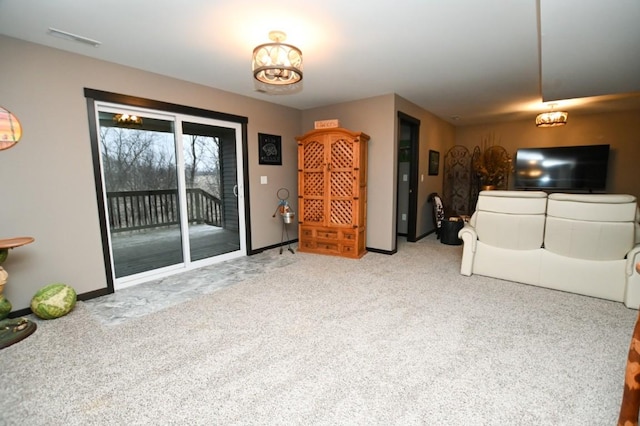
211	181
171	191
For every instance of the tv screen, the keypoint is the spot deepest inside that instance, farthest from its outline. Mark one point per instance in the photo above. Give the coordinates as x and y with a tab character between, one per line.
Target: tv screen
562	168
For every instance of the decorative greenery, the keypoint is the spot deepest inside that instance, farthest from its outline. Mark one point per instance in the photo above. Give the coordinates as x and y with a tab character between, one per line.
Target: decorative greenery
493	165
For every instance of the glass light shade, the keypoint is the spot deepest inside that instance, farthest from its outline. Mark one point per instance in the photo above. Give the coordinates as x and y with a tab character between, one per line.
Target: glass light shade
127	120
10	129
552	119
277	63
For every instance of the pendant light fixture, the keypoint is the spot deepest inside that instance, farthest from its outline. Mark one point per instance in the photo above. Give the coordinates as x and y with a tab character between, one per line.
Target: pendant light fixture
552	118
277	63
127	120
10	129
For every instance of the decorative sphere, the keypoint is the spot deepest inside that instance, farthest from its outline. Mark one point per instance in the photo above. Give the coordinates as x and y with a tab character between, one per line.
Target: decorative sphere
5	307
53	301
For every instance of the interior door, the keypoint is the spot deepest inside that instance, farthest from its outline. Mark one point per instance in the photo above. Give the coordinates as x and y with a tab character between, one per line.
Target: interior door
407	190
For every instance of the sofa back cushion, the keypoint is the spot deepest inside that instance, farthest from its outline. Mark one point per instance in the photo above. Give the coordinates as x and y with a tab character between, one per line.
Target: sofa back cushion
590	226
511	219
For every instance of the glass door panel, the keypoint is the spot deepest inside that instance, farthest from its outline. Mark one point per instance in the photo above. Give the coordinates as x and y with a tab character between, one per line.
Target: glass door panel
173	192
140	174
210	174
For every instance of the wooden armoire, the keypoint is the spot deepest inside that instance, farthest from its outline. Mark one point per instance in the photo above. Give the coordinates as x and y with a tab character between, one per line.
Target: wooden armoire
332	191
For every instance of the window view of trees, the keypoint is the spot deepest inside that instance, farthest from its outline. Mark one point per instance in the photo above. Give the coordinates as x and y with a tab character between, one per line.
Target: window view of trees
141	176
201	159
135	160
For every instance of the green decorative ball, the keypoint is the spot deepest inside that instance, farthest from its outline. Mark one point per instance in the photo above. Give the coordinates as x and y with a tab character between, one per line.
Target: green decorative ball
53	301
4	253
5	307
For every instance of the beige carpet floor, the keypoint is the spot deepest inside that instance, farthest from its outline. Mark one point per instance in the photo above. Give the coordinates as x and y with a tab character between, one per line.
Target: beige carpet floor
384	340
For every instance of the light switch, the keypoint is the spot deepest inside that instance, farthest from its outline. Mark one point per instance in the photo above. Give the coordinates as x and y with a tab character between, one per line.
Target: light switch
422	178
263	180
405	178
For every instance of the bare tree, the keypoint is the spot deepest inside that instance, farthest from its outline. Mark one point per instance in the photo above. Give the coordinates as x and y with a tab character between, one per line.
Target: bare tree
201	156
137	160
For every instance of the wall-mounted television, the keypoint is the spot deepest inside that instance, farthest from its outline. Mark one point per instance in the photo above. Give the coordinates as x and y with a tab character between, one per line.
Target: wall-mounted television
579	168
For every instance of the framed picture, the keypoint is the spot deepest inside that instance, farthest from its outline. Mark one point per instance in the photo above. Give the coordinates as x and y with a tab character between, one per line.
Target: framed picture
434	162
270	149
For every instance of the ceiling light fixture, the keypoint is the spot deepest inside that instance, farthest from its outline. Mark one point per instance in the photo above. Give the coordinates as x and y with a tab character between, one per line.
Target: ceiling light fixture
552	118
277	63
127	120
10	129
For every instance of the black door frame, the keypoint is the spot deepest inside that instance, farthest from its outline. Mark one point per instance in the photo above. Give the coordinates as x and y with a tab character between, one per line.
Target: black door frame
93	95
414	160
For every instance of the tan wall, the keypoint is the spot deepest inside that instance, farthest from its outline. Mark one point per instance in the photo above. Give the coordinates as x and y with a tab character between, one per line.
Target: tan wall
47	183
377	117
621	130
436	135
373	116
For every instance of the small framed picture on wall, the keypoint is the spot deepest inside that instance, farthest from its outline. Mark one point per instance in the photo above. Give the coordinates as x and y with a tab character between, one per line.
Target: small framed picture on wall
434	162
270	149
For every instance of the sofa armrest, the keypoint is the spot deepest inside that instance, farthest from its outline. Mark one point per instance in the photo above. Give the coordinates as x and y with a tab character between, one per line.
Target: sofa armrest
633	257
469	238
632	290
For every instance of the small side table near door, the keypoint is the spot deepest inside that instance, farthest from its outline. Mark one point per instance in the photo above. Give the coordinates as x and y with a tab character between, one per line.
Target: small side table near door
449	231
12	330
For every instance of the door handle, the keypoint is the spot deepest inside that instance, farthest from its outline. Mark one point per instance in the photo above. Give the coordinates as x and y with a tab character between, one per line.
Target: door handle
235	190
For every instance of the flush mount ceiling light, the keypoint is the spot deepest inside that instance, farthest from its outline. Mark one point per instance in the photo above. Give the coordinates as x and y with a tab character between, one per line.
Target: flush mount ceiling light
10	129
277	63
552	118
127	120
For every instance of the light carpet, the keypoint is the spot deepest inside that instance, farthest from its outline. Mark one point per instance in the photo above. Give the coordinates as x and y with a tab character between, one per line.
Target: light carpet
319	340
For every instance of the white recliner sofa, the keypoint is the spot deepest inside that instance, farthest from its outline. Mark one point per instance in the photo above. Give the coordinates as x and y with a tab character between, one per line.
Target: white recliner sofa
580	243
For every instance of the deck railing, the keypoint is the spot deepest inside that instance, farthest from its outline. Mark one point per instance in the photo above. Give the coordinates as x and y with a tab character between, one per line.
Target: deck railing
132	210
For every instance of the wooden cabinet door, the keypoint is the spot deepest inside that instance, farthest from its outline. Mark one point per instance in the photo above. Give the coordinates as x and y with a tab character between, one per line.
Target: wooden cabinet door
342	181
312	182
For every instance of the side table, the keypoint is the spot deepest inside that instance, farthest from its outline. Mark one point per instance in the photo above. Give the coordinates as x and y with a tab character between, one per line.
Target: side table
12	330
449	231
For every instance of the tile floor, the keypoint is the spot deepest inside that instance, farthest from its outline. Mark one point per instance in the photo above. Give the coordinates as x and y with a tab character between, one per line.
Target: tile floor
152	296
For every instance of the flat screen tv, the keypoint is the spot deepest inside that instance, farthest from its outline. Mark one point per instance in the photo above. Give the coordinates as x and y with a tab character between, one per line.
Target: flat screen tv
579	168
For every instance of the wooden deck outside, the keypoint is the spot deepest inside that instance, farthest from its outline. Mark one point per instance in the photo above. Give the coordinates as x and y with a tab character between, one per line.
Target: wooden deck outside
145	250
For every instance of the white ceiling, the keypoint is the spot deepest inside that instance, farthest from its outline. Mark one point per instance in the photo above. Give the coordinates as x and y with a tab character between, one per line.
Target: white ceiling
478	61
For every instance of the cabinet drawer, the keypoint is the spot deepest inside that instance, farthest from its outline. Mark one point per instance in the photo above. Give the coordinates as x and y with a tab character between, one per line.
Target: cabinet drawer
348	249
349	235
340	241
327	234
328	247
307	244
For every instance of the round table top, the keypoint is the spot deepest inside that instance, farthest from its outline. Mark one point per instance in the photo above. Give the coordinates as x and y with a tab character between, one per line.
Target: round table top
8	243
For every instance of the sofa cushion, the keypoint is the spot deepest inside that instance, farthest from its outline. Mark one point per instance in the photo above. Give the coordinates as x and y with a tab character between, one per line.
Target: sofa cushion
589	239
596	207
511	219
590	226
513	202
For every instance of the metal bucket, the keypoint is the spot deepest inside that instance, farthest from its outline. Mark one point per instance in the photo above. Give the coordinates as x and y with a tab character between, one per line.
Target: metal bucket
288	217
